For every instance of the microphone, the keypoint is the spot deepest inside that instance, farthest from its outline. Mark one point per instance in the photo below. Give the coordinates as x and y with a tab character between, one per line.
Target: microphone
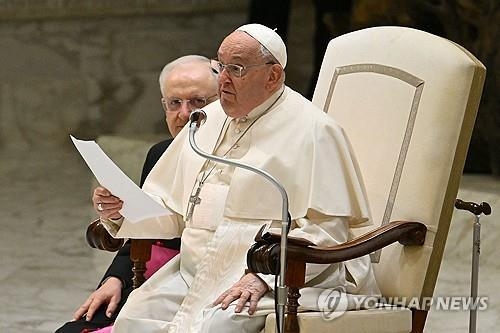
197	118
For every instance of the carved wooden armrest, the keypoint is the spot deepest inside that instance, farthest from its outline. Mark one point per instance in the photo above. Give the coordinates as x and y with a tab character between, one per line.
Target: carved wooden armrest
98	238
264	254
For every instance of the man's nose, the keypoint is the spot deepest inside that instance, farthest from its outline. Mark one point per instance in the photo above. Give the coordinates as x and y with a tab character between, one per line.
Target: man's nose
185	110
224	76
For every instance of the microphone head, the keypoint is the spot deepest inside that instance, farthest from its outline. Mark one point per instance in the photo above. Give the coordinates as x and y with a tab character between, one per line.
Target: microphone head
198	116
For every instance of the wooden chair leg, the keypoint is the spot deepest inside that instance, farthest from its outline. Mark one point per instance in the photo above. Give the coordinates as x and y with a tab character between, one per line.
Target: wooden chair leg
291	321
418	318
295	278
140	253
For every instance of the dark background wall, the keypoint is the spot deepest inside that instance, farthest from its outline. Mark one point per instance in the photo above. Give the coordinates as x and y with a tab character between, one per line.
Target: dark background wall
90	67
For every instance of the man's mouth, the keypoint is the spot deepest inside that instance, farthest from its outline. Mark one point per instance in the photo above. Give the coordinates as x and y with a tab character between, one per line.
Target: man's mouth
227	92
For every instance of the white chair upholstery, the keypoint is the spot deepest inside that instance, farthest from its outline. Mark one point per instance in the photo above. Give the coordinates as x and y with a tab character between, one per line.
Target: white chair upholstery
362	321
407	100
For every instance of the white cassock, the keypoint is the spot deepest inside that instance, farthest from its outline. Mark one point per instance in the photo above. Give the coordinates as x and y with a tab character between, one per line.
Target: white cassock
308	153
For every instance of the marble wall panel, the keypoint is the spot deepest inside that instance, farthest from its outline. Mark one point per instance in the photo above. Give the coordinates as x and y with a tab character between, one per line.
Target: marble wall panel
88	70
94	76
45	112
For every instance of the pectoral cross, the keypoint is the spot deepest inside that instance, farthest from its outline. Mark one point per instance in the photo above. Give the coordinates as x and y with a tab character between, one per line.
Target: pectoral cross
194	199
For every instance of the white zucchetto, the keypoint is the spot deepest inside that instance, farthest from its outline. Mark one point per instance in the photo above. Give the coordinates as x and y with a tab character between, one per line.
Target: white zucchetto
269	39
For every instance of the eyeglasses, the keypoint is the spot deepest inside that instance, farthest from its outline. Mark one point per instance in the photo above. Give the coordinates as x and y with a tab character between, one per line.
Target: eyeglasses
234	69
174	104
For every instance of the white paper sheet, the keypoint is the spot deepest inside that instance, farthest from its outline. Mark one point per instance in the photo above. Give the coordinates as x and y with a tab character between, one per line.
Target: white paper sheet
137	205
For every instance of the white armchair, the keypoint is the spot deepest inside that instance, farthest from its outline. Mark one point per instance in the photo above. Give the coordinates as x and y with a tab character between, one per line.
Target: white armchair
407	100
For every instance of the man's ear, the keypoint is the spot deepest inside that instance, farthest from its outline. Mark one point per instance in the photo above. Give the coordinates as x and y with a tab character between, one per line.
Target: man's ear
276	76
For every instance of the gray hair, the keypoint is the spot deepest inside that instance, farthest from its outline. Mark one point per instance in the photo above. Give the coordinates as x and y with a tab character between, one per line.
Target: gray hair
183	60
267	56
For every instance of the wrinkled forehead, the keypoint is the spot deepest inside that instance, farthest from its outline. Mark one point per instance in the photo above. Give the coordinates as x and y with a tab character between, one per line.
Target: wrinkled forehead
195	69
238	46
190	80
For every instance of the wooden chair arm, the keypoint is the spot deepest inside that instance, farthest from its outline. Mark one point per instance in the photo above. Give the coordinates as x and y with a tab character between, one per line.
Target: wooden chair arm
98	238
140	249
264	254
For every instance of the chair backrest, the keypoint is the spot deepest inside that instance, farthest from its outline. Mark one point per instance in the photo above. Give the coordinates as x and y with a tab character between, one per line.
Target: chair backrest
407	100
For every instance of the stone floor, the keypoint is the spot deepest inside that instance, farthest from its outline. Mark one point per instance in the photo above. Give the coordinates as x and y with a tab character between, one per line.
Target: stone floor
48	270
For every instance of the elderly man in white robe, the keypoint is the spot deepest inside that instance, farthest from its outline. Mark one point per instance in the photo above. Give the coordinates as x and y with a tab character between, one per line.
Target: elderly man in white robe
218	209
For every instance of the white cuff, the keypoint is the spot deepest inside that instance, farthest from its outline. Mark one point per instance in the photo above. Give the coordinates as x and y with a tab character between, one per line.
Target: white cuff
112	225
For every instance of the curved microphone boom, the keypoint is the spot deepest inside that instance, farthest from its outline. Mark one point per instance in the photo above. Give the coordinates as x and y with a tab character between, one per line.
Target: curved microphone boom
196	119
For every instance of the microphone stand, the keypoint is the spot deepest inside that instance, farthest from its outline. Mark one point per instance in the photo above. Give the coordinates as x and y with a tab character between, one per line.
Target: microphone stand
196	118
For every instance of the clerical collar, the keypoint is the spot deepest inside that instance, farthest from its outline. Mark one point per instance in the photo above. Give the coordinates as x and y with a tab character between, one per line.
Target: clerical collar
262	108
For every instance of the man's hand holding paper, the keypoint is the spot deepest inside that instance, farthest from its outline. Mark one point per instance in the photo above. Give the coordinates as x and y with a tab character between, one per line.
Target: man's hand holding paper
119	195
106	204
